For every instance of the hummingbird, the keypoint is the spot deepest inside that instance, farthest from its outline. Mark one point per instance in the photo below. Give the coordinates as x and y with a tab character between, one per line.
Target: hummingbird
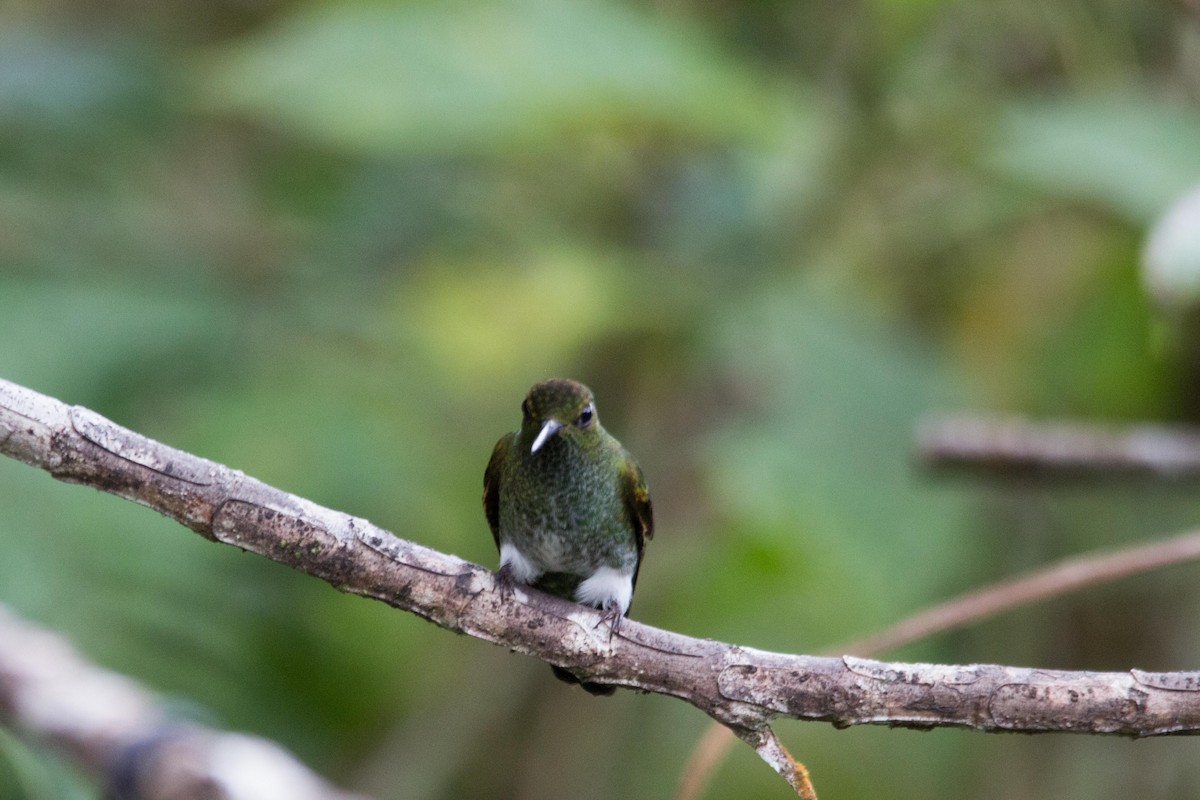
568	506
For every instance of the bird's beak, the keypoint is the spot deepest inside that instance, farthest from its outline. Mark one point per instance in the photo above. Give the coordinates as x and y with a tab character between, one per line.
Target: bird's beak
549	427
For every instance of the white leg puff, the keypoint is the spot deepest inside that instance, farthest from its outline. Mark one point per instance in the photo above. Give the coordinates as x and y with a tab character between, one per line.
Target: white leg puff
521	568
607	588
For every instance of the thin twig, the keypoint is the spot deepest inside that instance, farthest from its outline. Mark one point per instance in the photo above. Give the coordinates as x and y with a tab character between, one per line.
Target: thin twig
706	756
1069	575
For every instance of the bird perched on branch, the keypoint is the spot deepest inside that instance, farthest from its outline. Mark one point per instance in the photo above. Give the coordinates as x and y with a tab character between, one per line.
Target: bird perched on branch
568	506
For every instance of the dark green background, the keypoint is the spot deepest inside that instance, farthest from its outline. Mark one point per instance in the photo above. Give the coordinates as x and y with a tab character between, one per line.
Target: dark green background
333	244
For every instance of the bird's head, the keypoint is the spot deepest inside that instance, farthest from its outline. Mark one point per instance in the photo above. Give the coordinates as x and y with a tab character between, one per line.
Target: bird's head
558	407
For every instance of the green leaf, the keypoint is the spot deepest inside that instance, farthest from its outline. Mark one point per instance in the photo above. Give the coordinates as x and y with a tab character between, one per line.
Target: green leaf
820	480
46	79
89	342
481	76
1133	155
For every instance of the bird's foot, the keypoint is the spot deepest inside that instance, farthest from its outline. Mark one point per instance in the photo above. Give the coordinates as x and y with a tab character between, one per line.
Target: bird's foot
505	582
613	616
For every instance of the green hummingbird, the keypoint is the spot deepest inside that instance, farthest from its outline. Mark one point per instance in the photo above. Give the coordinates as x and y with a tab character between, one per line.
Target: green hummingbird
568	506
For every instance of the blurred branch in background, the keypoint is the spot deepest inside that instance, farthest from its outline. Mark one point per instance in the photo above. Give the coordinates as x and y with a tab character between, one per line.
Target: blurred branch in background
121	734
742	688
1014	445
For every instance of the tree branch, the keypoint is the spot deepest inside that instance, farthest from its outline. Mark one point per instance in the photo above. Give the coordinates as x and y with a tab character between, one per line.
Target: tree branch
1014	445
740	687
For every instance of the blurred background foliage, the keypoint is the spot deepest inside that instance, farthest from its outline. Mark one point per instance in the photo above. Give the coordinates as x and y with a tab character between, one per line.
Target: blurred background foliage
333	243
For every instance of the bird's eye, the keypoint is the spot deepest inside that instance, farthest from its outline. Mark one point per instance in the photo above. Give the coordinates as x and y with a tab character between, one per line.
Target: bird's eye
525	410
585	417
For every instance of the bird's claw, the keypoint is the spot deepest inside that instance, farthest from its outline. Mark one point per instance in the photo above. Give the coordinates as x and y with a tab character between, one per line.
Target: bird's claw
613	617
505	582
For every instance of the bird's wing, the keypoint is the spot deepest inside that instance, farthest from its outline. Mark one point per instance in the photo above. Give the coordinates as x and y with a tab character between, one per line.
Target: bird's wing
491	486
637	506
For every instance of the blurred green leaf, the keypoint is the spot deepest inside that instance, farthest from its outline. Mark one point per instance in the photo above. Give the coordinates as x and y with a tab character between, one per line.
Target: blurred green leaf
54	80
817	484
481	322
29	774
1129	153
492	75
91	342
